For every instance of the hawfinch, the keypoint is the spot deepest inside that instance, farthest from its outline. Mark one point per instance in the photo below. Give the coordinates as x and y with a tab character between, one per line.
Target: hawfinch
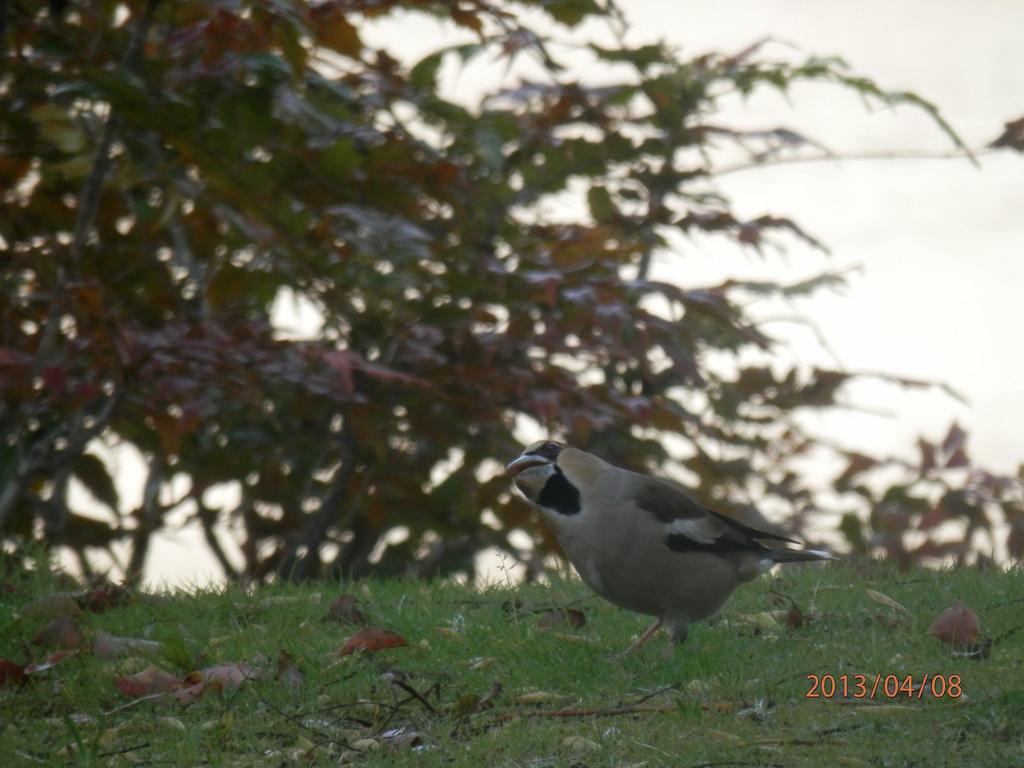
642	543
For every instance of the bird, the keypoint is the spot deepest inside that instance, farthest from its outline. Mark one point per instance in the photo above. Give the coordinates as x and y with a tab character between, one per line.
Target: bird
643	543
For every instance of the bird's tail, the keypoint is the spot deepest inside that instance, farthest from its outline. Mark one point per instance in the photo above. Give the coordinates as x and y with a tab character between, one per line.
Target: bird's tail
799	555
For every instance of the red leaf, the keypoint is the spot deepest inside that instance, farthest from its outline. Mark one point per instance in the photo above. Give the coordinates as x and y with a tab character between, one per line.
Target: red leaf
957	625
372	639
957	460
148	681
104	598
954	441
11	673
50	661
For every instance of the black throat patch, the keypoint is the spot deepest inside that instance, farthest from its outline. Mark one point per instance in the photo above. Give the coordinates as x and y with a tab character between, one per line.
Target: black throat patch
560	495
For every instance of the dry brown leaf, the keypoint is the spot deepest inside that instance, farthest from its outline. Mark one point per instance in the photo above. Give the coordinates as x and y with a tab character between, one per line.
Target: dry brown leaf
104	598
288	671
580	743
885	600
227	676
50	661
452	634
957	625
345	608
372	639
150	680
11	673
110	647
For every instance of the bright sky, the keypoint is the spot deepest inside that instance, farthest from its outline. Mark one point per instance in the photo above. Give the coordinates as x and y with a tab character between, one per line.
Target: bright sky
938	243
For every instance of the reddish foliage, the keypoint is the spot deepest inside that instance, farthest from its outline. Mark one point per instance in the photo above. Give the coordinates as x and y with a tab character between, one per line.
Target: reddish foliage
452	303
372	639
957	625
11	673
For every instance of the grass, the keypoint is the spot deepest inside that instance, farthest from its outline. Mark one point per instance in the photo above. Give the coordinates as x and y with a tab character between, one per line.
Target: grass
496	689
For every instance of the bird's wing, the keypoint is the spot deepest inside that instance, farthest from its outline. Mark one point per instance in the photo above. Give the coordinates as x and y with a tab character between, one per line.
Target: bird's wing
689	526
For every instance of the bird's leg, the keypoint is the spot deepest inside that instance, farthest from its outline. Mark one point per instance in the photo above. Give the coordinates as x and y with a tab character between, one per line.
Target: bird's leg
644	637
677	632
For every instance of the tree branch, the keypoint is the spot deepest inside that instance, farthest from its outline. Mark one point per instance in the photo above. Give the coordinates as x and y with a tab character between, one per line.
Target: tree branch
907	155
207	519
314	532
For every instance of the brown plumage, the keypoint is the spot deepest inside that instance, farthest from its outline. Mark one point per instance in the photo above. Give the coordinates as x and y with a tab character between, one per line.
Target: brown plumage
641	542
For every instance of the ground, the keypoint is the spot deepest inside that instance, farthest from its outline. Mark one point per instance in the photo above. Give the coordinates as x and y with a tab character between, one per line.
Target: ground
506	676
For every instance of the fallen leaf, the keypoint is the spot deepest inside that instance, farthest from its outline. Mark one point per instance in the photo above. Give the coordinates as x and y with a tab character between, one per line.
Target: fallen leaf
50	661
105	598
401	738
885	600
372	639
171	722
149	681
288	671
60	632
450	633
345	608
11	673
190	693
957	625
109	647
225	675
580	743
560	617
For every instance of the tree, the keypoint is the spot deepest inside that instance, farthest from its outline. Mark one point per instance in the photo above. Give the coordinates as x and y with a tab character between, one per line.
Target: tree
170	168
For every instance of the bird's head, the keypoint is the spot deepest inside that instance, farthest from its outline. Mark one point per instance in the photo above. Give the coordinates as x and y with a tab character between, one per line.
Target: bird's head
551	475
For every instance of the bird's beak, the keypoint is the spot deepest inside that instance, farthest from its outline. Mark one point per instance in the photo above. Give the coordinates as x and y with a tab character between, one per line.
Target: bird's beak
525	462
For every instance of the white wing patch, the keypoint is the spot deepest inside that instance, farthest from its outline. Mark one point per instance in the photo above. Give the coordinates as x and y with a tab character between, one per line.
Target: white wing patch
700	530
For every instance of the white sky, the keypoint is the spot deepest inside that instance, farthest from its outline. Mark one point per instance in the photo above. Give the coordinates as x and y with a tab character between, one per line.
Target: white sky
939	243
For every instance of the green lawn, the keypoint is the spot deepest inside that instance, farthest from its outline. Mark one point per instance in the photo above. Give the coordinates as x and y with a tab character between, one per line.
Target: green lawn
481	683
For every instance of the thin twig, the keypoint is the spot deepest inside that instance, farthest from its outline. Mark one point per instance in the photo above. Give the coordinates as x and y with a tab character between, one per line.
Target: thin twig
864	156
124	751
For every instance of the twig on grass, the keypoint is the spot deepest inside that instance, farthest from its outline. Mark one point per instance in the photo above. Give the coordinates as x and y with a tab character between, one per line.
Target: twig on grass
124	751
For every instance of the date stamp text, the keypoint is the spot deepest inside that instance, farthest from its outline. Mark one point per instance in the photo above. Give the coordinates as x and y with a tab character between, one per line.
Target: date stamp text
879	686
